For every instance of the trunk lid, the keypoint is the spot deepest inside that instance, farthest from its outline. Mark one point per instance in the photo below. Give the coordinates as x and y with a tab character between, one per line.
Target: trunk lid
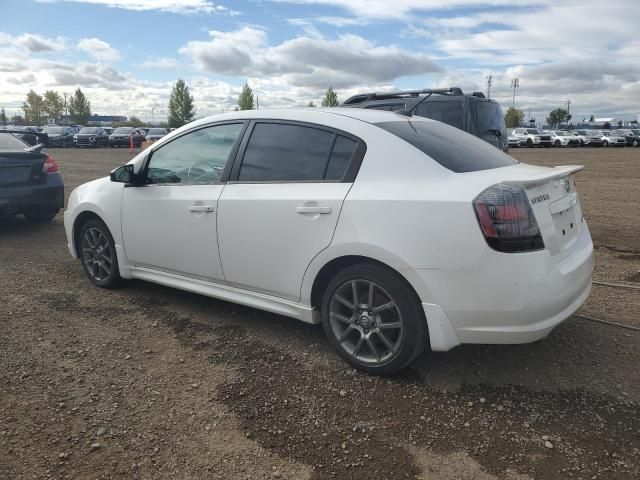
21	168
553	198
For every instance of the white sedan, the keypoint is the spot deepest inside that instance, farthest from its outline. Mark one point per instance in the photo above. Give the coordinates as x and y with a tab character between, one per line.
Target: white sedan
395	232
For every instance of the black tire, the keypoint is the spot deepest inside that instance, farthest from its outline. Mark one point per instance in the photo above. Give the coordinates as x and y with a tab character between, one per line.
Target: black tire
557	145
634	143
38	215
100	237
409	341
605	144
529	143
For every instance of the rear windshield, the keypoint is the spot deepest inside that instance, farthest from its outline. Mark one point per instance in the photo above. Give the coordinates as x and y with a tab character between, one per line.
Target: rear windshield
9	142
458	151
489	117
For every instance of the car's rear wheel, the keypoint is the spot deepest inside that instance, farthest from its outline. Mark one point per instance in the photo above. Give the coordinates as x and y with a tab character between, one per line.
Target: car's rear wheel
634	143
605	144
374	319
98	254
557	143
529	142
40	215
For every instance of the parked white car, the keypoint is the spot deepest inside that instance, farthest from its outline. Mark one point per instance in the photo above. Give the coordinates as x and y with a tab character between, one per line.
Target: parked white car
155	134
513	141
532	137
581	138
613	138
560	138
394	232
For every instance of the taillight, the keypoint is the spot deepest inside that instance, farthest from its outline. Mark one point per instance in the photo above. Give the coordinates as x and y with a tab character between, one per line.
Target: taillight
50	165
506	219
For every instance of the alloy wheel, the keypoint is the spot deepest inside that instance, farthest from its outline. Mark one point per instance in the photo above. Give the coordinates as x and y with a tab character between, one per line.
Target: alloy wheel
97	254
366	322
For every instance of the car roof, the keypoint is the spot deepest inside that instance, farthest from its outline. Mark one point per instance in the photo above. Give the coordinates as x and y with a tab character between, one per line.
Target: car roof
313	114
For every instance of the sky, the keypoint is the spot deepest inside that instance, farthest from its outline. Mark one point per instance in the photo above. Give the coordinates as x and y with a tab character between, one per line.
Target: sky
126	54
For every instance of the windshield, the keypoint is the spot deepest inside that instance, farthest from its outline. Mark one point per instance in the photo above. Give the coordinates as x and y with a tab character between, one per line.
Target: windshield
450	112
126	130
157	131
489	117
88	130
55	130
457	151
533	131
606	134
9	142
561	134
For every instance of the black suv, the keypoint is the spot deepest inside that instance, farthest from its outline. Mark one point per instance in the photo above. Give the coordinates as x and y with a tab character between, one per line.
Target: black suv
473	113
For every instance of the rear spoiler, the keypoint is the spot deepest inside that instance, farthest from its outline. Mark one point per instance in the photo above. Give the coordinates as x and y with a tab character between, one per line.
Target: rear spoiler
556	172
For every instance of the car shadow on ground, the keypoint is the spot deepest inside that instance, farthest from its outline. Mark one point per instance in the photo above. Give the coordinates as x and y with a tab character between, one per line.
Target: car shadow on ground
567	359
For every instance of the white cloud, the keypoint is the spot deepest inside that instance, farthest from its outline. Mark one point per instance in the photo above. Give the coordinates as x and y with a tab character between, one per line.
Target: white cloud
306	61
32	43
173	6
160	63
403	8
99	49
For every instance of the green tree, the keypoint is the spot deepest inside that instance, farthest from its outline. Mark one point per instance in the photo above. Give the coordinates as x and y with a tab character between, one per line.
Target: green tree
330	98
53	105
79	108
245	99
3	117
310	104
33	108
17	120
514	117
181	108
557	117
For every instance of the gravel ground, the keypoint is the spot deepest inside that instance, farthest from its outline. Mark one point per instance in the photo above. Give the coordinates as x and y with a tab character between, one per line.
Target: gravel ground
149	382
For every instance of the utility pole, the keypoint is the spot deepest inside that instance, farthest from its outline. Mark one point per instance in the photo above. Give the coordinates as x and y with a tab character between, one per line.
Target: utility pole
568	111
515	83
489	83
257	103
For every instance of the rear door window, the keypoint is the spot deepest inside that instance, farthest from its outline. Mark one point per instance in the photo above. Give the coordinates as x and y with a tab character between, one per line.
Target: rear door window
450	112
455	150
279	152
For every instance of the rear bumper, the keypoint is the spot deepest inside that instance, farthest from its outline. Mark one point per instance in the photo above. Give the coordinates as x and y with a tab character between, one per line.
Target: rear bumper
49	195
506	298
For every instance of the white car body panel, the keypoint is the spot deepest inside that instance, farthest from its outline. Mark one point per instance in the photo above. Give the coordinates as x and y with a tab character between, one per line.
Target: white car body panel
403	210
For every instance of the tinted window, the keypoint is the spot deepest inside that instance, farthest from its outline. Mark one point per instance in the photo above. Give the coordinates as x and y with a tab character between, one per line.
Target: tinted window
197	157
341	154
278	152
455	150
489	116
9	142
449	112
126	130
390	108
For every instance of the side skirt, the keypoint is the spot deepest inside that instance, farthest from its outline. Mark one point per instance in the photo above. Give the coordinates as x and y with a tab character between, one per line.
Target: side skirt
260	301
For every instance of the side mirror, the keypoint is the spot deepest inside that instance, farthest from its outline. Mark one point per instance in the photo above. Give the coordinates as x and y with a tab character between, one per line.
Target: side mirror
123	174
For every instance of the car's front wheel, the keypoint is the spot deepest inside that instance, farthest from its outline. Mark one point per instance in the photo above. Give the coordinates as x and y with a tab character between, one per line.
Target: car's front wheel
98	254
634	143
605	144
374	319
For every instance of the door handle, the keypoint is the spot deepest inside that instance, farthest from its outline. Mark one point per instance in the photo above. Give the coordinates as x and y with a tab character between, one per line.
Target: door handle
200	208
320	210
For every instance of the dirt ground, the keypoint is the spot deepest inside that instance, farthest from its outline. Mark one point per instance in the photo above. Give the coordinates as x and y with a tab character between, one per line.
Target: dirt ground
148	382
